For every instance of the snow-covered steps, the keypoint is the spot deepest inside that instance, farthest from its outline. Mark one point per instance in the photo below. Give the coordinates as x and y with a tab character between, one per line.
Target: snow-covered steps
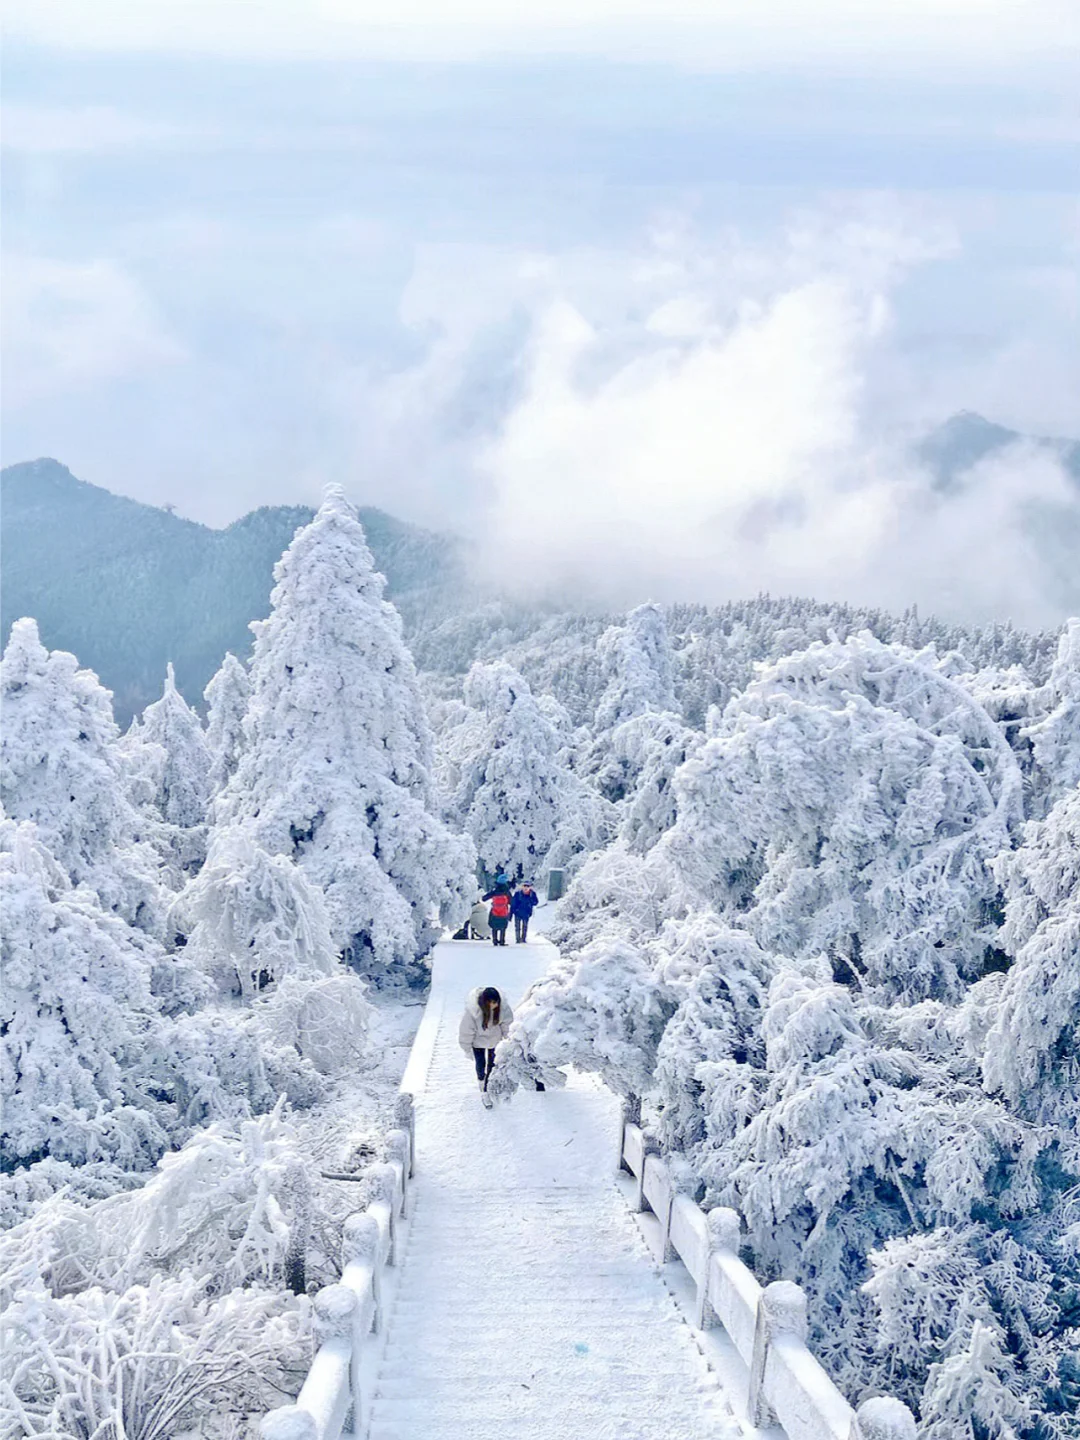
528	1306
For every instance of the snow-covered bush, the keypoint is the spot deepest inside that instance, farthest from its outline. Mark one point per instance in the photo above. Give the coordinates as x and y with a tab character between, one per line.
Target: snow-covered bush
325	1020
336	770
61	766
152	1362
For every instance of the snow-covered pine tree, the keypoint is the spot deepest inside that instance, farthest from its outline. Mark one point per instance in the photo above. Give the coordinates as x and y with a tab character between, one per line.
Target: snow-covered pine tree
184	784
638	669
77	1015
62	767
636	665
515	796
336	773
227	697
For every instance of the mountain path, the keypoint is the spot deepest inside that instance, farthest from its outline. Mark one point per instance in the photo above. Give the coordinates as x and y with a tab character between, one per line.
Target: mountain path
528	1305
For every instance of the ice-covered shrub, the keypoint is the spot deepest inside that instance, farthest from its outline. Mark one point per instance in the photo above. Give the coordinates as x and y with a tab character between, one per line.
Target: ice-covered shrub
325	1020
151	1362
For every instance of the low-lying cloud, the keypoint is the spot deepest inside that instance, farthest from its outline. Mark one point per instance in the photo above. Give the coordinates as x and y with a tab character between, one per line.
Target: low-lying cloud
708	447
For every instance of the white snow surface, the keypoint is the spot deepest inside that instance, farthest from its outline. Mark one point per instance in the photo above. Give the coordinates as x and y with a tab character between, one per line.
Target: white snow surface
528	1305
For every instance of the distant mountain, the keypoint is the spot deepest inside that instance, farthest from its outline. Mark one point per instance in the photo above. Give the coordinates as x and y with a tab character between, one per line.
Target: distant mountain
966	438
128	587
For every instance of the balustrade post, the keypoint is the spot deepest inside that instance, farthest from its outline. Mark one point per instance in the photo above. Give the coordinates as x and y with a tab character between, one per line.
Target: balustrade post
405	1119
722	1228
667	1250
883	1419
650	1146
631	1115
781	1311
397	1147
385	1185
337	1310
288	1422
360	1246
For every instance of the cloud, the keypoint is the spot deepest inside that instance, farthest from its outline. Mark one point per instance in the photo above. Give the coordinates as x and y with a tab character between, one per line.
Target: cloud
716	447
75	326
60	130
723	34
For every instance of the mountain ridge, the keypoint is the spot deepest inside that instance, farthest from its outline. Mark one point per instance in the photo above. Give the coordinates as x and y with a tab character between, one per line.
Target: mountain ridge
127	586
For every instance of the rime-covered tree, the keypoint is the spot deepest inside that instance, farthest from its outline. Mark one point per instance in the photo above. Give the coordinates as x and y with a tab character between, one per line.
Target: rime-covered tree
514	795
184	784
851	801
251	918
637	670
1032	1052
637	666
227	697
1055	734
78	1017
336	770
650	748
62	767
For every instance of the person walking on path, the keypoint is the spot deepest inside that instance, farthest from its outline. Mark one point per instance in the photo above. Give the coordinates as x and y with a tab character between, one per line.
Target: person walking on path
499	915
522	906
485	1022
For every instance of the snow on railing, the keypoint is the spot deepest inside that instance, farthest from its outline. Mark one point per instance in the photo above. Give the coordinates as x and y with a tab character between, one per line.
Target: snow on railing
766	1326
332	1400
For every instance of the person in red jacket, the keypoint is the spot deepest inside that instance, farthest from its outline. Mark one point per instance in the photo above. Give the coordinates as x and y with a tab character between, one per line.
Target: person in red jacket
499	914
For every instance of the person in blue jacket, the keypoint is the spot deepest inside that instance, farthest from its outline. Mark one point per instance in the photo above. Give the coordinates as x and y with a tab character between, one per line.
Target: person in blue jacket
522	906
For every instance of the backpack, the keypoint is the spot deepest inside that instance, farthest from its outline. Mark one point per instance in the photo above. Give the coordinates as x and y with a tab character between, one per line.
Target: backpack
500	907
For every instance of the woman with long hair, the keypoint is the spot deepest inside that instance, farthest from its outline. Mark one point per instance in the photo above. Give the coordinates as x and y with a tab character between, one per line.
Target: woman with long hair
485	1022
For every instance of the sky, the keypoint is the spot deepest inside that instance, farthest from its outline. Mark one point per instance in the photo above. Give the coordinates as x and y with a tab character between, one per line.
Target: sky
646	300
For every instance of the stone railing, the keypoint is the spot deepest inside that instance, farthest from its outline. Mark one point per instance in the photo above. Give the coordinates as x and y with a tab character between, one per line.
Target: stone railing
332	1399
767	1326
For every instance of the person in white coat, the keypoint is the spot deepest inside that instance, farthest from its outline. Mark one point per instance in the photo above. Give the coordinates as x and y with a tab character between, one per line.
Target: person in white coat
485	1022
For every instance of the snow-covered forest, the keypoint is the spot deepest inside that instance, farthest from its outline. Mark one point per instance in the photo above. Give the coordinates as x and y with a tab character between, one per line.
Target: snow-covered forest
823	919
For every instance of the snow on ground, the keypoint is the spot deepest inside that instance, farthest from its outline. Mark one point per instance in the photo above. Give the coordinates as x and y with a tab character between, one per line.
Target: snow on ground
528	1305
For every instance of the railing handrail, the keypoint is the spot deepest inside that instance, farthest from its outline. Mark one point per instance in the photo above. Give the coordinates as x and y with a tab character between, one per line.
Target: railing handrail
767	1325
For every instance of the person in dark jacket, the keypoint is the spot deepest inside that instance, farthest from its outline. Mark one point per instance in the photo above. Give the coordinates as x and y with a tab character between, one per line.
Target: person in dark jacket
522	905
